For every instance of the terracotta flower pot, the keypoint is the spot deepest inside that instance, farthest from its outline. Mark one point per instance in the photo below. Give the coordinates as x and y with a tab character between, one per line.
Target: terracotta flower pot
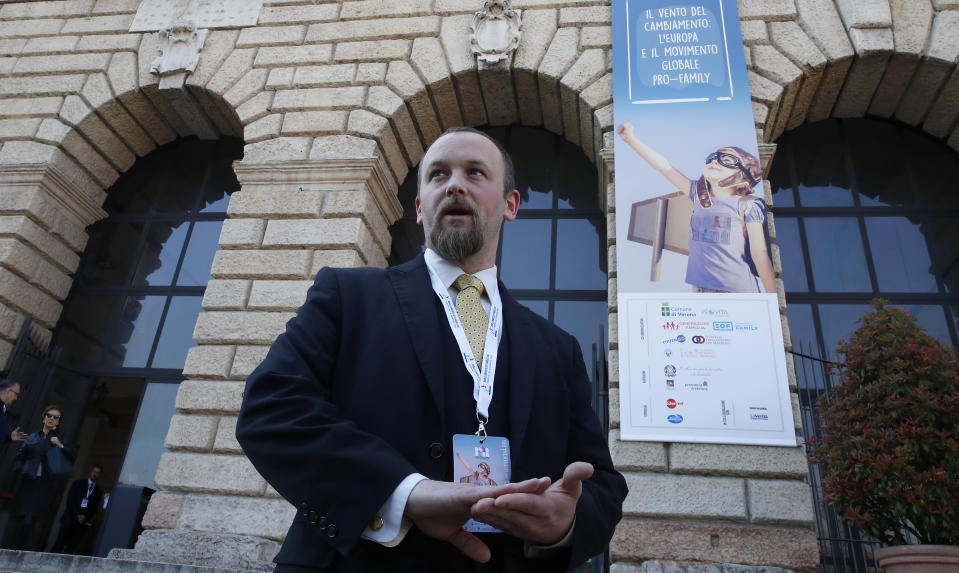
920	559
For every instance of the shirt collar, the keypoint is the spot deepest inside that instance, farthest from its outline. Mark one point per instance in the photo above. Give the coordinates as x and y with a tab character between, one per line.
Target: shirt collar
448	273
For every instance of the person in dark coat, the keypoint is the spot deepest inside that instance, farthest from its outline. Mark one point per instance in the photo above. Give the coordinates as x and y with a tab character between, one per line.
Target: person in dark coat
9	392
83	502
32	504
353	414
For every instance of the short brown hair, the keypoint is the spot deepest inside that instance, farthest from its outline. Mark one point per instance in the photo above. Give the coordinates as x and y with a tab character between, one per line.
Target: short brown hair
53	407
509	175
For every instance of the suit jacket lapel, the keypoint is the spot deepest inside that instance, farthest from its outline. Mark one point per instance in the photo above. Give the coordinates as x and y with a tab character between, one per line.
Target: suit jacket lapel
417	304
522	369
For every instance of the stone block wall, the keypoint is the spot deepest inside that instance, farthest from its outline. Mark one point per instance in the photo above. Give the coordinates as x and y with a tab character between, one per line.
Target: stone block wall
336	102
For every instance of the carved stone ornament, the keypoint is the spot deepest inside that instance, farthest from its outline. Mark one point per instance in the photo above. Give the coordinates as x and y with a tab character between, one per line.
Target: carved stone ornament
495	32
179	47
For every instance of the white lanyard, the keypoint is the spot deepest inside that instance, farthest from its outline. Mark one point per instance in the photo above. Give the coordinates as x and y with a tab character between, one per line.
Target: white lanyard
482	379
90	487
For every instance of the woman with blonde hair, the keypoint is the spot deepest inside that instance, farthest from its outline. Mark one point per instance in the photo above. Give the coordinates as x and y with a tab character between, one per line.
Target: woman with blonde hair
727	236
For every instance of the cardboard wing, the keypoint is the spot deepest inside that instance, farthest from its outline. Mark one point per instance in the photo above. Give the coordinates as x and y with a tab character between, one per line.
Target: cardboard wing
662	223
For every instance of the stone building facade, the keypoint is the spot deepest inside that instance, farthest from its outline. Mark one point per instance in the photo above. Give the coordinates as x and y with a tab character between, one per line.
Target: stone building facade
335	102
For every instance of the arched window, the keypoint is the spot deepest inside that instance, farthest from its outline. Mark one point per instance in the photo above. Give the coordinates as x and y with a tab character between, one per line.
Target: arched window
865	209
137	292
553	257
128	321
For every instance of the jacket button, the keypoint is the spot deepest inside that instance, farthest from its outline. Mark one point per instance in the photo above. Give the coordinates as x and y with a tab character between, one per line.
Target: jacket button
323	523
331	531
437	450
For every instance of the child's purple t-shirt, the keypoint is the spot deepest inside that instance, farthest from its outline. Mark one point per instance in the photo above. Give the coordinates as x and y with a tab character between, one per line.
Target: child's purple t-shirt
717	244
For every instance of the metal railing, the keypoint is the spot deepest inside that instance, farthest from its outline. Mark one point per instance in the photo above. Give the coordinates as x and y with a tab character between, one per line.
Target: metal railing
843	548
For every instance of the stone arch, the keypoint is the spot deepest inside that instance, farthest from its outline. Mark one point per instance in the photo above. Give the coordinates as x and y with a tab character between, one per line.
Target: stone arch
815	59
433	82
55	175
558	79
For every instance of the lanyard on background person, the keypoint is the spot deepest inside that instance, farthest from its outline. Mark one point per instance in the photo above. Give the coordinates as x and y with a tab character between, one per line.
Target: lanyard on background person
482	379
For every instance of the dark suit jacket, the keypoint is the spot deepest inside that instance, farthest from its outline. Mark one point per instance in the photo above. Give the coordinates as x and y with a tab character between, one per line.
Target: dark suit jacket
349	401
75	495
5	437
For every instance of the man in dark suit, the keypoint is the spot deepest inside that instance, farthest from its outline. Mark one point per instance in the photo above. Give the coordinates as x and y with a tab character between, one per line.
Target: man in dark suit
83	502
9	392
352	414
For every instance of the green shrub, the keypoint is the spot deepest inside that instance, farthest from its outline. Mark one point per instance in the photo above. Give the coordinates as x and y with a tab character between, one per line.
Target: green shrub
890	447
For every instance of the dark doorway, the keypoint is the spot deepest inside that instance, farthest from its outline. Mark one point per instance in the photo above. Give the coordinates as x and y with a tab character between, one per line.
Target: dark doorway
118	350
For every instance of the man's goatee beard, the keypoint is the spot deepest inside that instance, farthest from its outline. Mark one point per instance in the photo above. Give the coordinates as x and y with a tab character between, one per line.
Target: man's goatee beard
456	244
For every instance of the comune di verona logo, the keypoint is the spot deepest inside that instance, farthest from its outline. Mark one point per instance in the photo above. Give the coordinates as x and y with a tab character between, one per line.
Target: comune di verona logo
682	311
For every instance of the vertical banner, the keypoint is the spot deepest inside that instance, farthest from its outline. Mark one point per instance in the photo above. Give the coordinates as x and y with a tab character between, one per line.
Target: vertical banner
701	354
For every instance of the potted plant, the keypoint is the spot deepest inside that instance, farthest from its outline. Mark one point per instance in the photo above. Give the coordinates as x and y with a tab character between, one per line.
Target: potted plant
889	450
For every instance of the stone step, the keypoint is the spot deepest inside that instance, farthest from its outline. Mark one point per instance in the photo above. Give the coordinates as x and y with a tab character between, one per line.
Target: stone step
35	562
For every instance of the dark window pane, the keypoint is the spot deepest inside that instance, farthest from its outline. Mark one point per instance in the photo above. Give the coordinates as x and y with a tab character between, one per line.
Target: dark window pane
932	318
78	347
802	333
881	172
111	252
221	179
587	321
137	329
215	202
87	321
534	199
824	196
216	196
204	242
780	177
836	254
540	307
942	234
818	157
791	253
161	253
184	178
574	182
146	441
838	322
578	256
177	335
136	190
899	253
802	329
935	169
526	251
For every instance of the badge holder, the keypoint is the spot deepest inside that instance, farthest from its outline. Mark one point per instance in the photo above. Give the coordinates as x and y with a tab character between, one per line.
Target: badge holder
481	460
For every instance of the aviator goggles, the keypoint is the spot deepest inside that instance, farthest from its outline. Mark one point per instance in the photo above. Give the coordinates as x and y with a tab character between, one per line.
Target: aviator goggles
730	160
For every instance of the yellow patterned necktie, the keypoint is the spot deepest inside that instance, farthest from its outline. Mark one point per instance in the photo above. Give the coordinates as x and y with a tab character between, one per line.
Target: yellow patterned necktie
472	316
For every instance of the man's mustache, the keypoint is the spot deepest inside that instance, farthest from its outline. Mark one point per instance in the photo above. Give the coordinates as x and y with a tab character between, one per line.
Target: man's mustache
458	206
